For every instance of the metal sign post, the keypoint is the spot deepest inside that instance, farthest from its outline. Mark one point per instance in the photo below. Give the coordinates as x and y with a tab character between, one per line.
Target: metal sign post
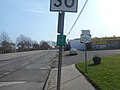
62	6
60	29
85	58
85	38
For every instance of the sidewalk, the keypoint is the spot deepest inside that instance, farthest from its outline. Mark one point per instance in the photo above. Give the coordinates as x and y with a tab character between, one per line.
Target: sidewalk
72	79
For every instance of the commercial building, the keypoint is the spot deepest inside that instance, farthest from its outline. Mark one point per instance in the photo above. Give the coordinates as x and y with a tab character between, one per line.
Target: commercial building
77	44
97	43
105	43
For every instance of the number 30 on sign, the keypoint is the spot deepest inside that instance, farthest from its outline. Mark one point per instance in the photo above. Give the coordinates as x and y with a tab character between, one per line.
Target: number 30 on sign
64	5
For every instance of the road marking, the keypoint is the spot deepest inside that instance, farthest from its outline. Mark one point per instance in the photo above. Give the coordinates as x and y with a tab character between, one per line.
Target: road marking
25	63
6	72
11	70
10	83
45	68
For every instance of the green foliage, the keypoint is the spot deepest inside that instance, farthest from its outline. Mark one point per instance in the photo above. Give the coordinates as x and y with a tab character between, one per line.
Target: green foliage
106	75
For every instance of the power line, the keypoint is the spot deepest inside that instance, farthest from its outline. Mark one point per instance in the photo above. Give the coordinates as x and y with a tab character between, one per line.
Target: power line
77	17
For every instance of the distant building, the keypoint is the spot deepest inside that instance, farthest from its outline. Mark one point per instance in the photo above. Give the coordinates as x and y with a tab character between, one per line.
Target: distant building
106	43
97	43
77	44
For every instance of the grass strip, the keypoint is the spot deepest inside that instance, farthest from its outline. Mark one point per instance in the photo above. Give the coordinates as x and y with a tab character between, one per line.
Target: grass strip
105	76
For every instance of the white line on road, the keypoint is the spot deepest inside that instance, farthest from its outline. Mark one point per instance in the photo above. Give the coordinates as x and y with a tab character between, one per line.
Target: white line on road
9	83
11	70
6	72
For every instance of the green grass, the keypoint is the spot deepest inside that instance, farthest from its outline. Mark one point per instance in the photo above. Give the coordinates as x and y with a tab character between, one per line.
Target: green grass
105	76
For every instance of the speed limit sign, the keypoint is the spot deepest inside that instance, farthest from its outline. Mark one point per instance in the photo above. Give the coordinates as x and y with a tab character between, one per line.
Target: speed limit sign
64	5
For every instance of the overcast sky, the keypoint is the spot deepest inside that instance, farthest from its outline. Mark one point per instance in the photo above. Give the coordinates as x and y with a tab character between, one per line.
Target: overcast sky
33	18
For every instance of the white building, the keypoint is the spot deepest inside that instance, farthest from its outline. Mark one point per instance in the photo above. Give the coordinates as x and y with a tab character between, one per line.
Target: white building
77	44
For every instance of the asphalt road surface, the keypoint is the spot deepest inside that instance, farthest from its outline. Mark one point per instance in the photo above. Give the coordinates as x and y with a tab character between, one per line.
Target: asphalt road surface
26	70
80	57
30	70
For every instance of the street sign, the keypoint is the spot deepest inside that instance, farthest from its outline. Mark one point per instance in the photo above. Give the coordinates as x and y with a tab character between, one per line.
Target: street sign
85	31
61	39
85	38
61	22
64	5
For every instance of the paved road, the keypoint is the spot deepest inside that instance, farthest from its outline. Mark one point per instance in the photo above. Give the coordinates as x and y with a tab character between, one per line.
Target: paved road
25	71
29	70
73	59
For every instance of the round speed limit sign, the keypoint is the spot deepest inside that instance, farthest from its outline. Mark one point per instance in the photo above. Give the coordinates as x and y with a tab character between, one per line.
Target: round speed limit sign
64	5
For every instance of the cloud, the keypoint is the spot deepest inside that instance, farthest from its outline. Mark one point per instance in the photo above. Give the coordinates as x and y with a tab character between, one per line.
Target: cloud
34	11
34	7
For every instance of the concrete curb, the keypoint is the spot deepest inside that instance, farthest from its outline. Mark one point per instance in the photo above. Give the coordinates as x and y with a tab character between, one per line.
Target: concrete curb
46	82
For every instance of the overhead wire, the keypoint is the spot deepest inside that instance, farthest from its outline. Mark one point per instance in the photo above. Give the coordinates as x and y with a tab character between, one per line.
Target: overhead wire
77	17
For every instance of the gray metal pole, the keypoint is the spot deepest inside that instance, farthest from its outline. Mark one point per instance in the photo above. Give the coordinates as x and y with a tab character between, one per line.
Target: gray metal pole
59	68
60	30
85	58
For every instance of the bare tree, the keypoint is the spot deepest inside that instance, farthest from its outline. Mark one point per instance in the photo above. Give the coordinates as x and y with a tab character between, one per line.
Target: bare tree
44	45
35	45
23	43
52	44
5	42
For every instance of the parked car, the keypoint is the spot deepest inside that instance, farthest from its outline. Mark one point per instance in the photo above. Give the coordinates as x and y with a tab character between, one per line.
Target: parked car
73	51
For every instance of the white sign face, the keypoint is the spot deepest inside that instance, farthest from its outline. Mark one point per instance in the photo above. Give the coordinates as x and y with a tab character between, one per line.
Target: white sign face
64	5
85	31
85	38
